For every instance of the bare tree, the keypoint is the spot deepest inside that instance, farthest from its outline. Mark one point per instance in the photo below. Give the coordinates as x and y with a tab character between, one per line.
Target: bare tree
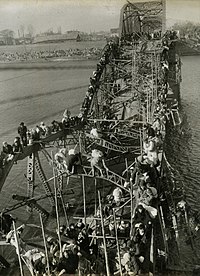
22	29
30	30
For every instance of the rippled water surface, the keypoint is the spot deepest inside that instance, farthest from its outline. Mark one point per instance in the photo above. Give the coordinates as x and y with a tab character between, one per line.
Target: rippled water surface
32	96
185	142
40	95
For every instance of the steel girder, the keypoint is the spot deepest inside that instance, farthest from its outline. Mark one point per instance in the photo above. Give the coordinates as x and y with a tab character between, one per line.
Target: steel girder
43	179
137	18
34	163
30	177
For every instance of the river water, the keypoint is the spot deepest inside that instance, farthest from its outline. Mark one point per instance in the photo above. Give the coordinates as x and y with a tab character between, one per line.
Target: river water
184	148
35	95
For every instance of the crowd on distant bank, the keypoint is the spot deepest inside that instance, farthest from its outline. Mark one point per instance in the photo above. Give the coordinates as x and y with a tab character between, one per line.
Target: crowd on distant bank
35	55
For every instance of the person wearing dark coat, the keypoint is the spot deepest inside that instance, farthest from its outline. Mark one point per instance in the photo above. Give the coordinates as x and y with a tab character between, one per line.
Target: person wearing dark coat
7	148
22	130
71	159
56	126
6	221
17	147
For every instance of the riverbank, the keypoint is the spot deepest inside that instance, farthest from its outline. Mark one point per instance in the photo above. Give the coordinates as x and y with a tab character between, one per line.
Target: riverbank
57	52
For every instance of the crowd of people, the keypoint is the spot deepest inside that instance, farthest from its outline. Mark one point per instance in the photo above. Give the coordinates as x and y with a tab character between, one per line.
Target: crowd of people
29	136
80	248
111	50
141	181
36	134
34	55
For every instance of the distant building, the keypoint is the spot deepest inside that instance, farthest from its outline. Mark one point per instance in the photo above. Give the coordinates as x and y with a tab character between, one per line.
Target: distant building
51	38
27	39
2	40
7	37
100	35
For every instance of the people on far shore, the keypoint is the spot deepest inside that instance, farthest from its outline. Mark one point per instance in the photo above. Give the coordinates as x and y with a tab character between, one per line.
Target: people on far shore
87	53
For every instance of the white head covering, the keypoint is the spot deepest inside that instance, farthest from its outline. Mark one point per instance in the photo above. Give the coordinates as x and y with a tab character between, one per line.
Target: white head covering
71	152
63	151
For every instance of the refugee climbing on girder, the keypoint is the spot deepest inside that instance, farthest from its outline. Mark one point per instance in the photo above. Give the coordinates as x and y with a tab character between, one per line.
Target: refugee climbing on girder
94	132
66	117
45	130
17	146
5	223
7	153
10	238
66	160
36	261
60	160
97	161
150	155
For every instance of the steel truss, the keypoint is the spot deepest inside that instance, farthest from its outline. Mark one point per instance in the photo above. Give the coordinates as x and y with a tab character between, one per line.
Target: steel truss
143	17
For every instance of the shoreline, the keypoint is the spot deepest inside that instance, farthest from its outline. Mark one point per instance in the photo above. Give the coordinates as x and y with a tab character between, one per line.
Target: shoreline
60	62
55	62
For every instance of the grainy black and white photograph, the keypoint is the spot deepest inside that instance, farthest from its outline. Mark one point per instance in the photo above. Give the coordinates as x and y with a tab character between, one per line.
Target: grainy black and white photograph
100	137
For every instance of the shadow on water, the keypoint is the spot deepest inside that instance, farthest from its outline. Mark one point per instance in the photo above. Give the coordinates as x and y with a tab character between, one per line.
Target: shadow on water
48	65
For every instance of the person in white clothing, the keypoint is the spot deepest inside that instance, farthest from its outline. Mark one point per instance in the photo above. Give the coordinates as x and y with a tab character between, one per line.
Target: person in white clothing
117	194
97	161
60	159
94	132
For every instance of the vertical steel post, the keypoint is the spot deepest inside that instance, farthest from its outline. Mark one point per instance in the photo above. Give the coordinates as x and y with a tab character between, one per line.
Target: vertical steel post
84	198
104	239
56	205
30	178
163	16
117	243
95	207
17	249
45	245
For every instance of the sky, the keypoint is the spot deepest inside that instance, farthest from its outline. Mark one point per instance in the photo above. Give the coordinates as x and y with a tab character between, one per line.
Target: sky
83	15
